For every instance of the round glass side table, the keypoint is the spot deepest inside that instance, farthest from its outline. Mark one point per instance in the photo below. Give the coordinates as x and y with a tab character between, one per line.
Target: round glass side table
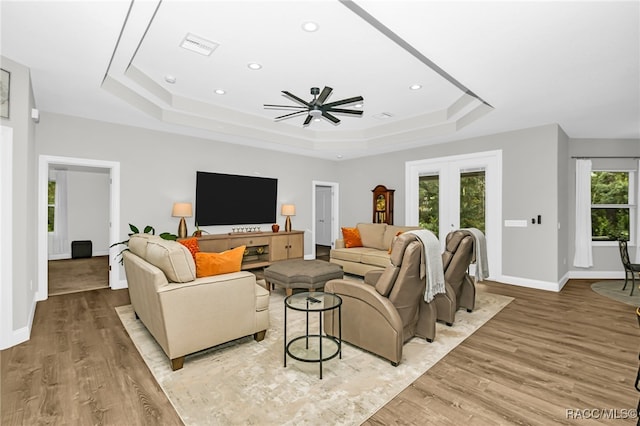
313	347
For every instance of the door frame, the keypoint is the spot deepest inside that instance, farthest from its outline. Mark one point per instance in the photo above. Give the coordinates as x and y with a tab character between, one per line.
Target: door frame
45	161
7	335
491	161
335	209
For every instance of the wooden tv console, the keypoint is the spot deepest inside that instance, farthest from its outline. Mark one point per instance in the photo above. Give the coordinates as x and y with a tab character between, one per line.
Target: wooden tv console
263	248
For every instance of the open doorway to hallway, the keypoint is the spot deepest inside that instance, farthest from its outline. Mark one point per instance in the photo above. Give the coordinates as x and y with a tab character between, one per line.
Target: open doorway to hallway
90	205
325	218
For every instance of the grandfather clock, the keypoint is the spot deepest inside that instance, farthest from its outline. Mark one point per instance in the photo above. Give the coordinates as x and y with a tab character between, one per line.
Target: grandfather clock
383	204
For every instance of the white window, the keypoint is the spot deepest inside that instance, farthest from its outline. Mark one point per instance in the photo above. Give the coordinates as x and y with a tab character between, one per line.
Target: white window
613	205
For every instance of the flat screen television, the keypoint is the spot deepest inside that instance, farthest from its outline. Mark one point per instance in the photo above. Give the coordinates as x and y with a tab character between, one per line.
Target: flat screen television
223	199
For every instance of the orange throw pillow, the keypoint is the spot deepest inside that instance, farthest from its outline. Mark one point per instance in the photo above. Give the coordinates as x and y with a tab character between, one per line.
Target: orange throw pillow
351	237
208	264
192	245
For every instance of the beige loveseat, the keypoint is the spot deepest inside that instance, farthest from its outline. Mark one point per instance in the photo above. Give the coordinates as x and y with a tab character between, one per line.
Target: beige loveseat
374	253
186	314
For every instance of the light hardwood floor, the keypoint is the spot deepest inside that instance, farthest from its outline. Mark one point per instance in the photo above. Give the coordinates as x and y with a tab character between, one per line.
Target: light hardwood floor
542	355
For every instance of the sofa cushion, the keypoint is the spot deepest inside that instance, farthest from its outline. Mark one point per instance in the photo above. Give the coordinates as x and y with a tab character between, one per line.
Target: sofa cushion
172	258
350	255
371	235
351	237
392	231
138	244
376	258
208	264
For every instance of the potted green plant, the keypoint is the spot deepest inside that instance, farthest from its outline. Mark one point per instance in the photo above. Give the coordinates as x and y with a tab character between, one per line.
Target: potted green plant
198	232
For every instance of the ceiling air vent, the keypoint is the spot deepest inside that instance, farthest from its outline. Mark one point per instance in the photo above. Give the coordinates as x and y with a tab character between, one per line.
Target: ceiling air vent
198	44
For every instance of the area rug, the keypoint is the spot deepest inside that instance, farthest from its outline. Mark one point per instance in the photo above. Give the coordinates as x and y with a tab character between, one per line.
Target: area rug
244	382
613	290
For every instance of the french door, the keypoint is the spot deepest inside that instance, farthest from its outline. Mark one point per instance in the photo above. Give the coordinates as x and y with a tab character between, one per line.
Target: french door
448	193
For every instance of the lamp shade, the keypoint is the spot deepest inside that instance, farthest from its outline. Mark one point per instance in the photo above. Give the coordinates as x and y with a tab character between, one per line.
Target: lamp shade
182	210
288	210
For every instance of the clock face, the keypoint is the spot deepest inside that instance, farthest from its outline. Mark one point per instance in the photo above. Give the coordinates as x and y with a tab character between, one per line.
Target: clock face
381	203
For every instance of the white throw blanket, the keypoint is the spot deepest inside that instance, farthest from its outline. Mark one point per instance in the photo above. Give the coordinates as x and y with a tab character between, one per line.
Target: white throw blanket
482	264
434	273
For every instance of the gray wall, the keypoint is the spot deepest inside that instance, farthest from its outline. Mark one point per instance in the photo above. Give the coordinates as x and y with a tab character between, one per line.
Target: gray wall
158	169
88	208
605	259
530	188
24	252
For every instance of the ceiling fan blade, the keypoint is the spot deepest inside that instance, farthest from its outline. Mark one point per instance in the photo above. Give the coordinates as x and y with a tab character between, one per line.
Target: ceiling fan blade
324	95
295	98
282	106
345	101
308	120
330	117
344	111
291	114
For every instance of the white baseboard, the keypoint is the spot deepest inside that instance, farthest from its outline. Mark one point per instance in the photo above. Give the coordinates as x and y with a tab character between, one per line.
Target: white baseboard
594	275
61	256
526	282
20	335
120	285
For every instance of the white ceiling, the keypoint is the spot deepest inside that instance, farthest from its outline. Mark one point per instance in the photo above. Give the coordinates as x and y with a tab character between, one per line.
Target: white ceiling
525	63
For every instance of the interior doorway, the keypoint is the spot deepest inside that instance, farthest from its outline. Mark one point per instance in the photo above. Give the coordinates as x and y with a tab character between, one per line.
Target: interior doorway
47	163
324	216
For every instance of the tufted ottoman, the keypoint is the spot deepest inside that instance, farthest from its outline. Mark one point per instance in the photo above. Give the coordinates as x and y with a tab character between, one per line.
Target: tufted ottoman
298	273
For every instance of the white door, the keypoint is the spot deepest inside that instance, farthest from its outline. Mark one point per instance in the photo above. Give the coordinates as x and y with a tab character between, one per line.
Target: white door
450	193
323	215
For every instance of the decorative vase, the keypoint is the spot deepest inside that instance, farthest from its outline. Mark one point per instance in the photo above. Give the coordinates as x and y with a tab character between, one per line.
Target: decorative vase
275	227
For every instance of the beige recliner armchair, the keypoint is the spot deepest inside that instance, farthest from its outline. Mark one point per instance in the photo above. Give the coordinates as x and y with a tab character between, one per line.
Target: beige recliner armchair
460	291
388	308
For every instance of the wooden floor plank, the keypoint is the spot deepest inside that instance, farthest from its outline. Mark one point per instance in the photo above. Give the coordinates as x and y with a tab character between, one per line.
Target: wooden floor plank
543	354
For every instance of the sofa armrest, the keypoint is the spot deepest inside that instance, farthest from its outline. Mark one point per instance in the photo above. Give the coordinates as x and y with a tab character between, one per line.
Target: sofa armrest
197	314
369	320
366	295
339	243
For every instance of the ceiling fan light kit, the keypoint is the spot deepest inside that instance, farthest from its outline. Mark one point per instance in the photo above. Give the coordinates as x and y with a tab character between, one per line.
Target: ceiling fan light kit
317	107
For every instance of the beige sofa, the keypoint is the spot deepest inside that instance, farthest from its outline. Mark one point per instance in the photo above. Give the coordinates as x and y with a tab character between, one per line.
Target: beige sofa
186	314
374	253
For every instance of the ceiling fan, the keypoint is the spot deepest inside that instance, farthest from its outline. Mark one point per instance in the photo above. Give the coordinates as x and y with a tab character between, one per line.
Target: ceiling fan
317	107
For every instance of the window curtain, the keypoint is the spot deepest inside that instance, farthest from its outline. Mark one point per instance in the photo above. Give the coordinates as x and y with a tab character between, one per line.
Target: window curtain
583	253
638	214
61	228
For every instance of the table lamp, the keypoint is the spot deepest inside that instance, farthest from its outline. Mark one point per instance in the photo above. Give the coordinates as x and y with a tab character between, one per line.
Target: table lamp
182	210
288	210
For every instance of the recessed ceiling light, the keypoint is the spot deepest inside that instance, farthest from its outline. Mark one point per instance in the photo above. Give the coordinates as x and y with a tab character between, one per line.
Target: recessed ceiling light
357	106
254	66
339	156
310	26
220	91
415	87
169	79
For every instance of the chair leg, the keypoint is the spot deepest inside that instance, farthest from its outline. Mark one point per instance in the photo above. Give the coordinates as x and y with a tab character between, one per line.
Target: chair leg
626	277
177	363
